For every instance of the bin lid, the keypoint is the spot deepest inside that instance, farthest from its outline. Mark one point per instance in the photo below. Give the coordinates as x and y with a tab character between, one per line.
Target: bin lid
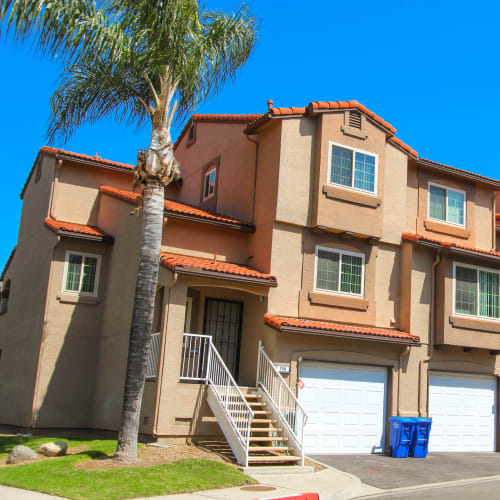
402	420
420	420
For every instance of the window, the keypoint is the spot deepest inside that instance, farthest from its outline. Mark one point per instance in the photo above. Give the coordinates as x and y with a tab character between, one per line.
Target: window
339	271
209	183
477	291
4	296
81	273
353	168
447	204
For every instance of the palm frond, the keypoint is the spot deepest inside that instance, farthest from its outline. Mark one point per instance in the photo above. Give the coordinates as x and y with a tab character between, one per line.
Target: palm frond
91	90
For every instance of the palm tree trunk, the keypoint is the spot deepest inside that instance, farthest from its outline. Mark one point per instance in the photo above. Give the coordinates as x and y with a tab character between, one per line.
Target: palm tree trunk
142	320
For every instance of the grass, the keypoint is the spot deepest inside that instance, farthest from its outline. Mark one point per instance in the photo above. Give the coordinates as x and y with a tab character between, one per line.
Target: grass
58	476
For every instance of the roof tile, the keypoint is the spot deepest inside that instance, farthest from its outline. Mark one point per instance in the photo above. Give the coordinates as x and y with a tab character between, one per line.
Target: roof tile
175	207
174	262
417	238
72	227
279	322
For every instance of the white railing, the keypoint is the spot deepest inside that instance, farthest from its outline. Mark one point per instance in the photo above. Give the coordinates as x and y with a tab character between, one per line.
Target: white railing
287	407
201	362
195	353
153	356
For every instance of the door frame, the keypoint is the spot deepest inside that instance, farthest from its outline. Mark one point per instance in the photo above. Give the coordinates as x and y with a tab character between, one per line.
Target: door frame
240	328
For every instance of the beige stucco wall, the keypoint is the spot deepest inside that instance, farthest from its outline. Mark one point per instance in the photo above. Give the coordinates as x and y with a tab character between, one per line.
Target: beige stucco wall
296	171
236	170
76	181
339	213
21	326
260	243
203	240
112	350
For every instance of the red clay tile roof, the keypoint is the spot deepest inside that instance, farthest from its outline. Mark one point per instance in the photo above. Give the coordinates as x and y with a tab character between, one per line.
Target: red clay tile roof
183	263
79	156
318	106
235	118
458	171
71	228
418	238
176	209
304	325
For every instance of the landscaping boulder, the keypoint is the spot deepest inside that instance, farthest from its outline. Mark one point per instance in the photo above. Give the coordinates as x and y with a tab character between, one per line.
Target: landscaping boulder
21	453
56	449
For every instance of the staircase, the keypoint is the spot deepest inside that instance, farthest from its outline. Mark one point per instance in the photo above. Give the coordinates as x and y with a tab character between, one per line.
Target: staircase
263	425
268	444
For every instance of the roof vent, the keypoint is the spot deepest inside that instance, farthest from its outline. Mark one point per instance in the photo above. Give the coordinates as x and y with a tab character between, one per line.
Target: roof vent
355	119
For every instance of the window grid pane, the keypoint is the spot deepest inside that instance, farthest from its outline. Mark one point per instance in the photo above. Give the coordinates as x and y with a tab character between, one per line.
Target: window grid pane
488	294
73	273
466	291
89	274
437	209
350	278
341	169
364	172
327	272
456	203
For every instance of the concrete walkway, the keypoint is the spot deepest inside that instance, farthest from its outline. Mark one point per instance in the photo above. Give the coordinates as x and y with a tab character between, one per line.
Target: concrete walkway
8	493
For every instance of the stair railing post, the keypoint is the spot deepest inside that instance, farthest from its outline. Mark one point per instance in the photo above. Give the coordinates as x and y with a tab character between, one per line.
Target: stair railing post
207	376
257	378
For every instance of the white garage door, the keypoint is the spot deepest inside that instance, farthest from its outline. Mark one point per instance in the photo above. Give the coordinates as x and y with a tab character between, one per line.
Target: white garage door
346	407
463	410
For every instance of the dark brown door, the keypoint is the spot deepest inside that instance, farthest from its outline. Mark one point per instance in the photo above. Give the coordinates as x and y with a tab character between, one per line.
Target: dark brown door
223	322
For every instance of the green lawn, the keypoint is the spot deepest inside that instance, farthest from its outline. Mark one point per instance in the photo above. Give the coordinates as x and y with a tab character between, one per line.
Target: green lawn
58	476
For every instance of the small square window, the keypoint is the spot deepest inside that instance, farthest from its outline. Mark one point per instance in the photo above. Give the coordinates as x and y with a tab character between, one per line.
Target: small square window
209	183
81	273
353	169
447	205
339	272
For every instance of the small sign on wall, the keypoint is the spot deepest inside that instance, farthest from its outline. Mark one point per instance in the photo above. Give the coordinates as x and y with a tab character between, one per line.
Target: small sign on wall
283	368
300	384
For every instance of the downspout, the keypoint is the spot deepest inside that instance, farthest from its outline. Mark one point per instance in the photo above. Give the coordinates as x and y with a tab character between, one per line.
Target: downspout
494	233
405	353
256	142
162	357
422	404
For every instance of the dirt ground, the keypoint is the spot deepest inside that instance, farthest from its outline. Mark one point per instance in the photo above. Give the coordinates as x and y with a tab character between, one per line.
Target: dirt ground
148	455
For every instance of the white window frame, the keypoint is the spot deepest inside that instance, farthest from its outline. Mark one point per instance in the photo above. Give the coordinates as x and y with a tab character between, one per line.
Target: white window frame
340	252
476	268
65	274
446	188
354	150
207	174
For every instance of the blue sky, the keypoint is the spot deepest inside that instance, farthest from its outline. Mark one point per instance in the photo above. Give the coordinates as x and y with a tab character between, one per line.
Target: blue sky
431	69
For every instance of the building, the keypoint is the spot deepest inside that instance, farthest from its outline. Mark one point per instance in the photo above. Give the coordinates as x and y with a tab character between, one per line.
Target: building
306	241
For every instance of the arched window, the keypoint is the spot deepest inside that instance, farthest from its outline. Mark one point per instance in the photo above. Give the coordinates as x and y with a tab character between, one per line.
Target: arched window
4	296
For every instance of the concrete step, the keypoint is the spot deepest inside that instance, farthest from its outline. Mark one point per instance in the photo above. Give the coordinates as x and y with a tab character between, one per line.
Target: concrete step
273	459
264	421
262	412
256	403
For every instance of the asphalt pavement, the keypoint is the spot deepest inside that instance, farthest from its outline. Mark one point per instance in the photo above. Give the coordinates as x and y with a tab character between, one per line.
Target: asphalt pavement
386	473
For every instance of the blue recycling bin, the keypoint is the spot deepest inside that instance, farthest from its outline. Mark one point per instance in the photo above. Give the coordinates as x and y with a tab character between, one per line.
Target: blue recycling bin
420	441
401	436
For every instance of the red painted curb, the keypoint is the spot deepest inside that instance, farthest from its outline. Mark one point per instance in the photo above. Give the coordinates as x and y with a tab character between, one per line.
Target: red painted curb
303	496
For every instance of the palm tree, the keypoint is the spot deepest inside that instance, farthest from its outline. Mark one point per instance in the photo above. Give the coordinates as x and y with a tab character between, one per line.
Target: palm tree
136	60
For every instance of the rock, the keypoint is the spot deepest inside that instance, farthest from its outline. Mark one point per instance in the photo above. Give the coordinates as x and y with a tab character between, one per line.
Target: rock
21	453
56	449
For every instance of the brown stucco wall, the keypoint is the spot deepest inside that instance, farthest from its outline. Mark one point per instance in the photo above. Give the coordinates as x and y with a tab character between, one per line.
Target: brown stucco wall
22	325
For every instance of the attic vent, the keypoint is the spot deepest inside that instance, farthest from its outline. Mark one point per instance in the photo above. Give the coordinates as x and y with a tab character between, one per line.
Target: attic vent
355	119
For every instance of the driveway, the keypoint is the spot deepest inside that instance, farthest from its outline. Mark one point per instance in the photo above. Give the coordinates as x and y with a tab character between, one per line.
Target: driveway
387	472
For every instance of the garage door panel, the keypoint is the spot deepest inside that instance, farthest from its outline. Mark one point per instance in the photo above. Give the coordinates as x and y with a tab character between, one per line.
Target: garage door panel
463	409
351	402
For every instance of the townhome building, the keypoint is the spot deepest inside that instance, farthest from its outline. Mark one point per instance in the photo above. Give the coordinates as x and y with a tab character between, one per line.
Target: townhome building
316	278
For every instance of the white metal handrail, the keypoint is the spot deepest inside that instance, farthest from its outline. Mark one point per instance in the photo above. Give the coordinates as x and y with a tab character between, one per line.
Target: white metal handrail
201	362
291	412
153	356
195	353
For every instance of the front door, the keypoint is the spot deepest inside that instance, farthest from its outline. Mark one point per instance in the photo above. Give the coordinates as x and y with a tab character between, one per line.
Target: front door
223	323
